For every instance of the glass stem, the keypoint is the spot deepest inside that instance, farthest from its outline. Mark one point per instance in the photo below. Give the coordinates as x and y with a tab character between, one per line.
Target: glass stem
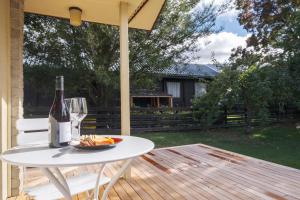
79	125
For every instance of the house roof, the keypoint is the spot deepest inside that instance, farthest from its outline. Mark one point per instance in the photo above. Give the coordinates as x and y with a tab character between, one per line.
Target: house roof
191	70
142	13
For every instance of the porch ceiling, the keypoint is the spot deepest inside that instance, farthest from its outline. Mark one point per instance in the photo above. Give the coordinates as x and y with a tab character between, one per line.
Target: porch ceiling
142	13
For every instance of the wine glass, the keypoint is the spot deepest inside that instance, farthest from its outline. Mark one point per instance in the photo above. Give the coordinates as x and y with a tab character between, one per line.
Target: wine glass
73	122
68	102
78	111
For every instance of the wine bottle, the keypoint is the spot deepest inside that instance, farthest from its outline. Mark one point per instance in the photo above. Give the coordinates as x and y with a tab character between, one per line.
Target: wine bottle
59	118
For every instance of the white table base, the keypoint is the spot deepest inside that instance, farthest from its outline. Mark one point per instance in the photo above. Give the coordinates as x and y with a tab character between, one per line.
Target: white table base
59	181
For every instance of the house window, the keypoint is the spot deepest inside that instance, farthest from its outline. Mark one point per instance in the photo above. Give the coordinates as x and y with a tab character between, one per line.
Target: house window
173	88
200	89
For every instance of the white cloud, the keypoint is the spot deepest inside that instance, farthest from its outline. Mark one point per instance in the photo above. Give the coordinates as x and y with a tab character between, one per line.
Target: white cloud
219	44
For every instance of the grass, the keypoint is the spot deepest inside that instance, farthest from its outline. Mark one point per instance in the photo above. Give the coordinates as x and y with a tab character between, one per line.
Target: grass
279	143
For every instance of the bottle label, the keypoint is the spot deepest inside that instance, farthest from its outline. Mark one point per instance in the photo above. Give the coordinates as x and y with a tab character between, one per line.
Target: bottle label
59	132
53	132
65	131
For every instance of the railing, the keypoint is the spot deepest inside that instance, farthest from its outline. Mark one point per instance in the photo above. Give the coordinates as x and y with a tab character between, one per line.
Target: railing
107	120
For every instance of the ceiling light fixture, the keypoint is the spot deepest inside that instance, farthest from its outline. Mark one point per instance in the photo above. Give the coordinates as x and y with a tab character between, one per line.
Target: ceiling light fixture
75	16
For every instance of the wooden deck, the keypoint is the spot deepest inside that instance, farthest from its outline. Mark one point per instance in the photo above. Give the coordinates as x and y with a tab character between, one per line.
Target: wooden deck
198	172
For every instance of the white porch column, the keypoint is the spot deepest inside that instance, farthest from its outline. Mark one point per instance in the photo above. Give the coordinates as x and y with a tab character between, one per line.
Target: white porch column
124	70
124	74
5	93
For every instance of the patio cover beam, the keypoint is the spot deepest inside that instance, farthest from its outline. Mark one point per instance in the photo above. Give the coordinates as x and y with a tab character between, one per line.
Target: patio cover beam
142	14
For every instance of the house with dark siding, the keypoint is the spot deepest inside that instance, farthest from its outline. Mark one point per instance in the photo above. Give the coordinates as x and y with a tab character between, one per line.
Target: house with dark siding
178	85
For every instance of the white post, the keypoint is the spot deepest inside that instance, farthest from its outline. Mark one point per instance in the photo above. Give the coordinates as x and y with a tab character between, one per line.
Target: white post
124	70
124	74
5	93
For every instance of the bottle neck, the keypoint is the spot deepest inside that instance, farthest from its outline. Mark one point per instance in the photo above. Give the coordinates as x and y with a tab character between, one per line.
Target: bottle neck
59	85
59	88
59	95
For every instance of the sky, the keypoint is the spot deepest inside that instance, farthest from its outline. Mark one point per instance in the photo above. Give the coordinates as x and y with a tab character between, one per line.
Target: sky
220	44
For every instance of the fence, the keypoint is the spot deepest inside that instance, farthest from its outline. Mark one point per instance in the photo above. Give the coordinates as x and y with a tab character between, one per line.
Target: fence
107	120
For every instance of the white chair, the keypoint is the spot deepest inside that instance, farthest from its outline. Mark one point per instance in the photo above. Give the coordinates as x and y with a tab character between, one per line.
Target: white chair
35	132
32	131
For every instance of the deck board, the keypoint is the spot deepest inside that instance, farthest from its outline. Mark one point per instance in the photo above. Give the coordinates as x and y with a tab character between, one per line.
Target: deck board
196	172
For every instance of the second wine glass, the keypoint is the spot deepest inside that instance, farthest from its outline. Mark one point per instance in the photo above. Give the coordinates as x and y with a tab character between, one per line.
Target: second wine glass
78	111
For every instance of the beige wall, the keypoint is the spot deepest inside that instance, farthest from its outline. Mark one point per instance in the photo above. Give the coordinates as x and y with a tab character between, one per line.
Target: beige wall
11	86
17	23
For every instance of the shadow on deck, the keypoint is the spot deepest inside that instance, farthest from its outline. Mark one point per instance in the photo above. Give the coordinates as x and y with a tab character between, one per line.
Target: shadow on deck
196	172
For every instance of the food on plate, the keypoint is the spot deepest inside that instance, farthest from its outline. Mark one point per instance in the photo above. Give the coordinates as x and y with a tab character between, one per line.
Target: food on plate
95	140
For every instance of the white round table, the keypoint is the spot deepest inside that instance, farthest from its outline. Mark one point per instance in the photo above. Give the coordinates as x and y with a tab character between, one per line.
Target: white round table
43	157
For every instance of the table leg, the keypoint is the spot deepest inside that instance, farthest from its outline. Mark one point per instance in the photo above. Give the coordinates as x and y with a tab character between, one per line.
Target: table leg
100	174
62	179
60	186
115	178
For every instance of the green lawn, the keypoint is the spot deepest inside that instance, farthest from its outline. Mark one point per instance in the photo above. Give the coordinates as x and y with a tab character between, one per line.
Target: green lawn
278	143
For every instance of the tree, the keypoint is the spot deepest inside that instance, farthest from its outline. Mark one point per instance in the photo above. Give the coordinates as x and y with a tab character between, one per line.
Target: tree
254	94
266	72
271	22
94	48
274	25
260	87
251	88
221	94
275	32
